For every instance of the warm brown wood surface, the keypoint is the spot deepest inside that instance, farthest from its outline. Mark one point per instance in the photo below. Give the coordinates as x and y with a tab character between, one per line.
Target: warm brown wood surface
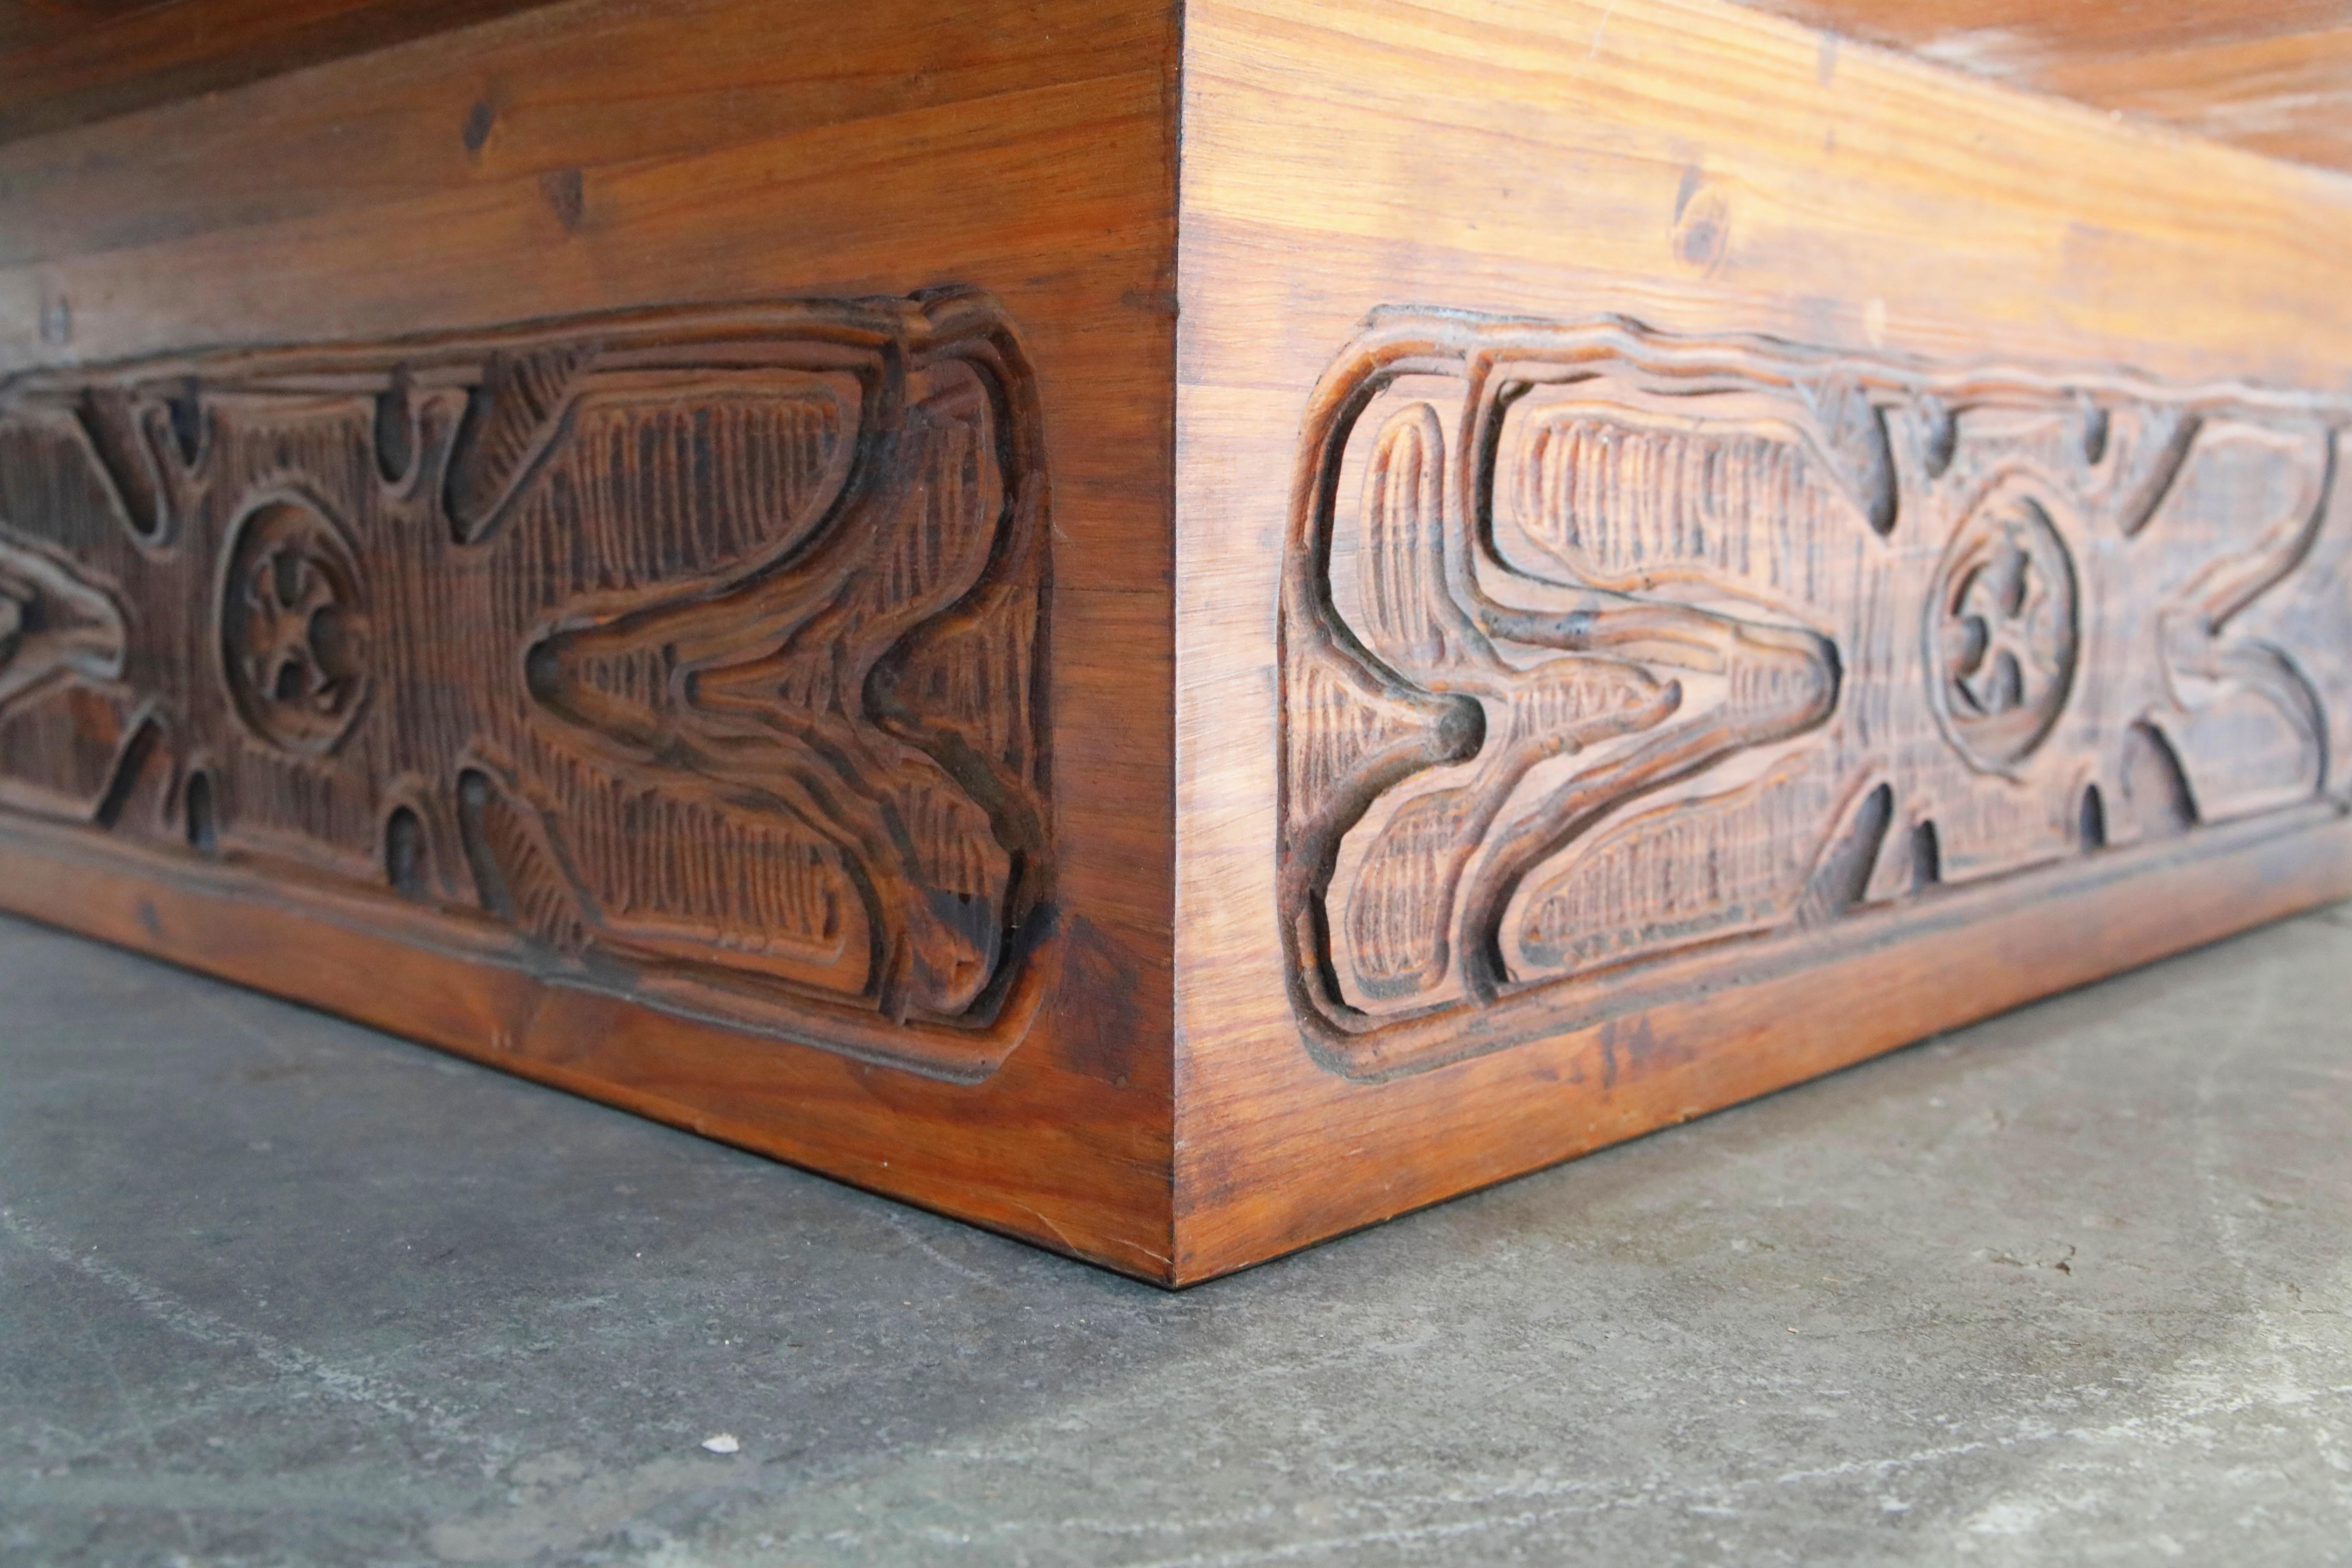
1614	660
567	161
2271	75
696	653
66	62
1828	250
789	568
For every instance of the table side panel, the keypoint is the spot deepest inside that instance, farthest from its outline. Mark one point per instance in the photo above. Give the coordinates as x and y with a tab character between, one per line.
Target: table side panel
648	540
1616	446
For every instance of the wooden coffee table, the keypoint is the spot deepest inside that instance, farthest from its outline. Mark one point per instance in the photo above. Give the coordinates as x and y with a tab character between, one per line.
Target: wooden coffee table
1171	629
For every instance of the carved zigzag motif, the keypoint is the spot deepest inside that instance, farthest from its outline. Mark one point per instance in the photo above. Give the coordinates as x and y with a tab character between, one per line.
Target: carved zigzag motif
1763	644
759	694
693	654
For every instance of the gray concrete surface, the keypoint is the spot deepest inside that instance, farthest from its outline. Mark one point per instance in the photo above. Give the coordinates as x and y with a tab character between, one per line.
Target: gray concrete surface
2068	1287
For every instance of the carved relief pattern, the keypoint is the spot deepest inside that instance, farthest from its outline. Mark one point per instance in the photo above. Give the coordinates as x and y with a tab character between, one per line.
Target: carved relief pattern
1616	664
695	656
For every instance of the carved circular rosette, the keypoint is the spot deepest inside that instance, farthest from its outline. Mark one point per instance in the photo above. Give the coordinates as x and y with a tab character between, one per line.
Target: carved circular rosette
2004	633
293	631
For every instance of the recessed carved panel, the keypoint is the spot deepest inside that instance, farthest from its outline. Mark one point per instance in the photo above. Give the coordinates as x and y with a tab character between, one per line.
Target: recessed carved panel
1617	665
695	654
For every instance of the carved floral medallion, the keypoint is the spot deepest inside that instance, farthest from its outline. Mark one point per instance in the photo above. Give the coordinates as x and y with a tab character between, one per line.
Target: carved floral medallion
1617	664
692	655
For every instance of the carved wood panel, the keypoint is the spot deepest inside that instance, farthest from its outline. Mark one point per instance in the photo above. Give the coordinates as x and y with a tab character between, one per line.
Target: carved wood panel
1617	664
696	655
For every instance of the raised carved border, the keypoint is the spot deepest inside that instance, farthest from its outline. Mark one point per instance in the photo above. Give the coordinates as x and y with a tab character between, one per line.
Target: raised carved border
1884	424
148	425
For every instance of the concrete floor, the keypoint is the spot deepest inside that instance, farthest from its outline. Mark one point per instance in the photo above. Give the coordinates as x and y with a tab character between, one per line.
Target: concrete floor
2069	1287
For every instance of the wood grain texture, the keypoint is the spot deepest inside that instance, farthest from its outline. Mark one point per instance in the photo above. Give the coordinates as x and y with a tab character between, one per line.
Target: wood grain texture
697	651
550	539
690	551
66	62
2274	76
1759	529
1610	655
